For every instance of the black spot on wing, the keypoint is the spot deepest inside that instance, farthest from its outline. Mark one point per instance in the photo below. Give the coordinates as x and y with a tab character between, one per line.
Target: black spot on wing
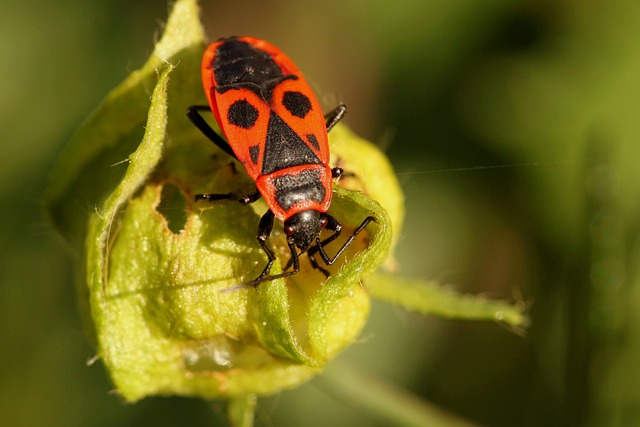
254	152
242	114
296	103
284	148
314	141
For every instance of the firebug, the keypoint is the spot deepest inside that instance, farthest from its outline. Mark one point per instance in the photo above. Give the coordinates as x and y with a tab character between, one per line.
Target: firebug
274	126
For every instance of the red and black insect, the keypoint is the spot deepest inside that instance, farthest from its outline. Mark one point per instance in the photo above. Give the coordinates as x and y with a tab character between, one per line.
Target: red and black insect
275	127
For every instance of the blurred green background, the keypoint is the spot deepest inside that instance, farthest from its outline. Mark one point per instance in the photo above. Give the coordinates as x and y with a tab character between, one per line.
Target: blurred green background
515	130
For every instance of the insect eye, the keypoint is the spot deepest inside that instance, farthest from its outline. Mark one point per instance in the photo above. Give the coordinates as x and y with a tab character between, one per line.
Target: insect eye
324	221
289	230
296	103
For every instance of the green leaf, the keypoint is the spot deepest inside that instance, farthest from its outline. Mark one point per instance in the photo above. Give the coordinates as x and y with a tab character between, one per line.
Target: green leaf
433	298
111	315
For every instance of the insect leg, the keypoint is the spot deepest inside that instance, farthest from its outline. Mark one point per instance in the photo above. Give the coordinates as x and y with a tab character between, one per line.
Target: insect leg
314	264
264	230
335	116
193	112
245	200
212	197
334	224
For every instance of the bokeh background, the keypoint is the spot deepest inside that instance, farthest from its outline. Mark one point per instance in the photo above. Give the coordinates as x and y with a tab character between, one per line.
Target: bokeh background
514	128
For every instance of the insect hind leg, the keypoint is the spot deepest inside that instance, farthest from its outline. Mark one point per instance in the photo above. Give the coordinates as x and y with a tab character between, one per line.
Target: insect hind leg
193	112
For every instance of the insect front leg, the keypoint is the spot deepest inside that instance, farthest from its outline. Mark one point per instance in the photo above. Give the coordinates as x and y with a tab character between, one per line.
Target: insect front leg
315	265
333	223
264	231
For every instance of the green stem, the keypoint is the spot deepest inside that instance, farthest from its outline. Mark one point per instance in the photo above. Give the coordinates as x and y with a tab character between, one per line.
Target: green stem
241	410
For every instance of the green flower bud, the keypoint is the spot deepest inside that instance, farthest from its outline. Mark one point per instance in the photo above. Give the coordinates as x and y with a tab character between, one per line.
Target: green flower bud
163	304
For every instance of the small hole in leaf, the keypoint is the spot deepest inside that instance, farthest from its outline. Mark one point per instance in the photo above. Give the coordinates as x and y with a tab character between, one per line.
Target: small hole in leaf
172	207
